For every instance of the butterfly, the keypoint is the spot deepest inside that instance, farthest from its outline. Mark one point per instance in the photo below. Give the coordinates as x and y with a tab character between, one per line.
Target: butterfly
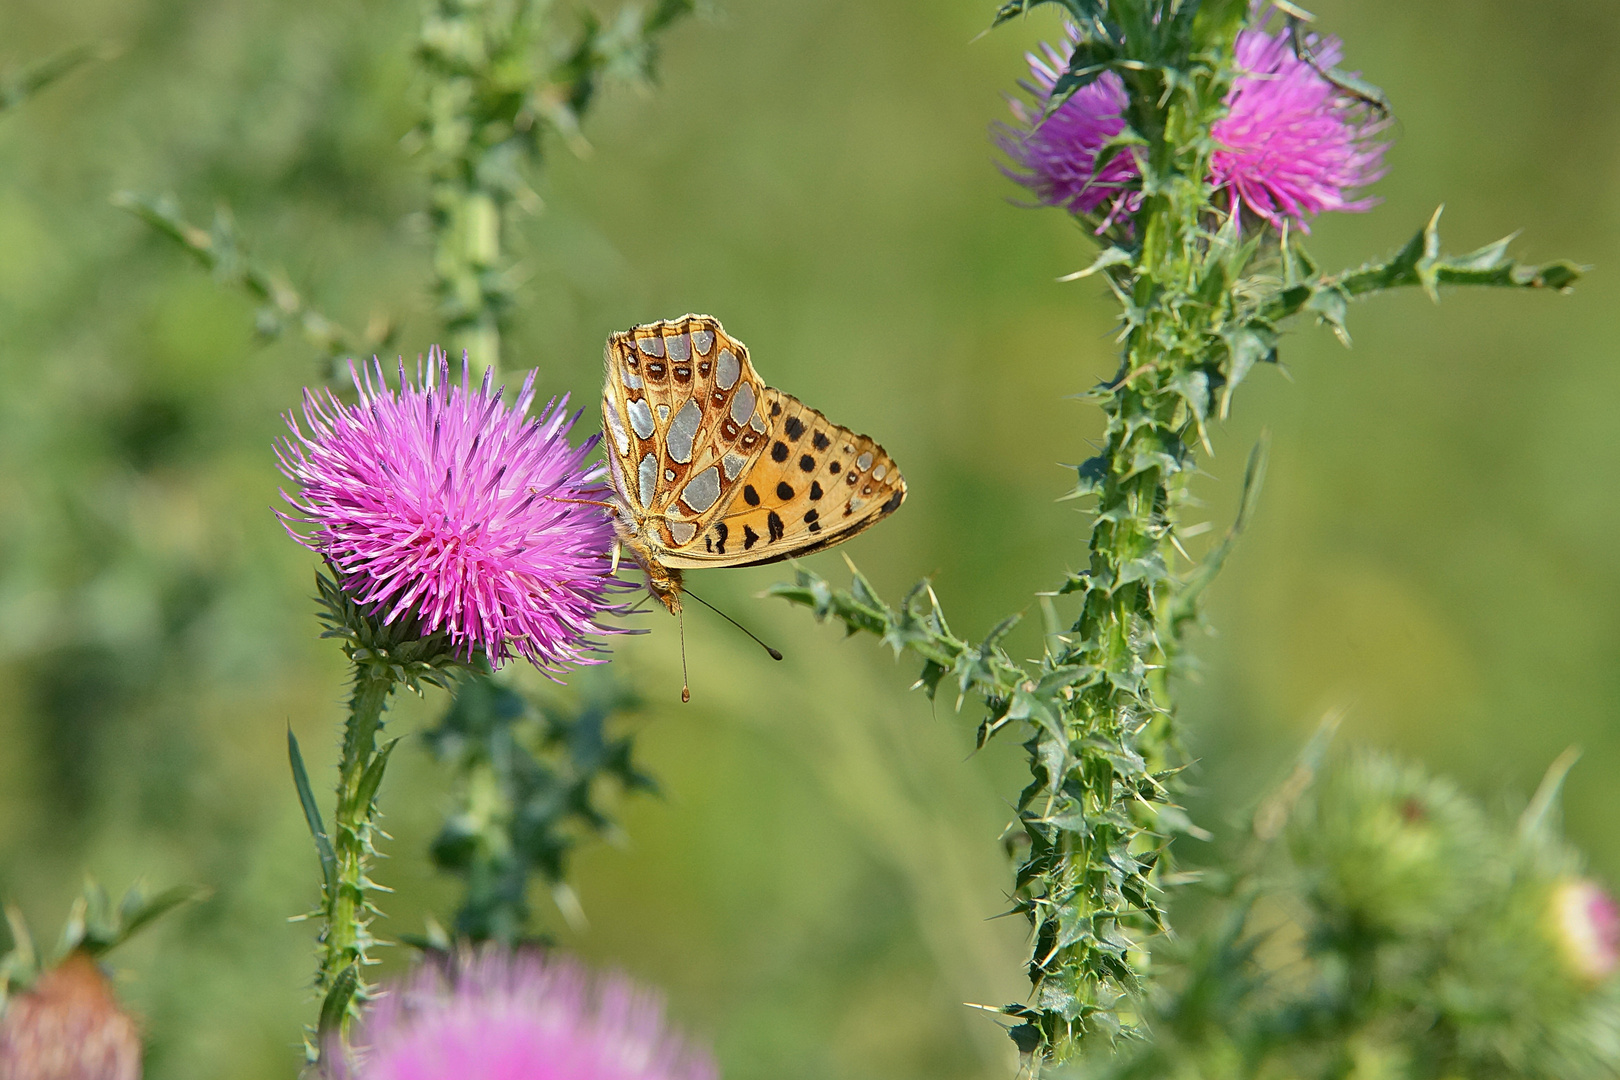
711	467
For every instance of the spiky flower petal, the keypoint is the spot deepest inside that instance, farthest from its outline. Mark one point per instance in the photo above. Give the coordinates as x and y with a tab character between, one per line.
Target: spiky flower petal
498	1015
1291	145
442	504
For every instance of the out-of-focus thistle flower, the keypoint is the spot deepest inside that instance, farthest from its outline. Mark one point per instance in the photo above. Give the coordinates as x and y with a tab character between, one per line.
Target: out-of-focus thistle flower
69	1027
442	504
497	1015
1586	924
1291	145
1056	158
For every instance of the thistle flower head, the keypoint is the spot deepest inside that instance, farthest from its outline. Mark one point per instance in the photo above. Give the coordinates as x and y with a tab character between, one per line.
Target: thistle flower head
1056	157
443	504
1291	145
1586	924
513	1016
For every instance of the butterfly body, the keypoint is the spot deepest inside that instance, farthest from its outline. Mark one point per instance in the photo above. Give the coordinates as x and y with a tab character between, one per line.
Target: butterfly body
710	467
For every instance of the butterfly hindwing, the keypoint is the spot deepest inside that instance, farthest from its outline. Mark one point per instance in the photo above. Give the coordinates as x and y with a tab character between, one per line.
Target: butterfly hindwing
683	411
814	485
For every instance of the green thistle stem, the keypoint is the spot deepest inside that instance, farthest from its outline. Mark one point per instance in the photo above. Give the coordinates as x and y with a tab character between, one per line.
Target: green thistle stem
346	909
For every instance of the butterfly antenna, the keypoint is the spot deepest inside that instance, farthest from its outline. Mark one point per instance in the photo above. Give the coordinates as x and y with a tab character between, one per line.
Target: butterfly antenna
774	654
686	688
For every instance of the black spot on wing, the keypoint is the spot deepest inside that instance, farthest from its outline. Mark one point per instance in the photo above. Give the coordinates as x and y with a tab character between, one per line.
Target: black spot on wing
894	502
795	428
815	489
784	491
779	451
750	538
821	442
720	532
774	524
750	496
807	463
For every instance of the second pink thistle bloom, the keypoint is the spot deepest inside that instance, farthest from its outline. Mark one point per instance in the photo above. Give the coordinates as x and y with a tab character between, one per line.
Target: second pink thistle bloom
1292	144
445	504
516	1016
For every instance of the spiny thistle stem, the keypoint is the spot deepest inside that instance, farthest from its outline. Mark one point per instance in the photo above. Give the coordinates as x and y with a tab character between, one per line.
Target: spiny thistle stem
347	909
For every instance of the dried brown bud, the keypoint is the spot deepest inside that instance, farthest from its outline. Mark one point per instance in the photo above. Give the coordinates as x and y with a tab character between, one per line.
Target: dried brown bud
69	1027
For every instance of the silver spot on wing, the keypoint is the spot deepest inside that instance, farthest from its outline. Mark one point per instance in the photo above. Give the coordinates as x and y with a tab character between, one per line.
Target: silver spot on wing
648	477
669	474
880	472
742	403
663	413
618	482
631	379
864	462
727	370
651	346
683	430
681	531
703	340
641	418
702	490
680	348
757	423
616	428
733	464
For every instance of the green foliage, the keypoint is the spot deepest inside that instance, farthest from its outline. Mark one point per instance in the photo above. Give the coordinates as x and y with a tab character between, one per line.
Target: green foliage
1401	931
220	250
500	76
532	776
18	86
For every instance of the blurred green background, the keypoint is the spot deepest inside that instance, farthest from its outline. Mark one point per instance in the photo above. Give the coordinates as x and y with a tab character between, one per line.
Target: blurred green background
1433	550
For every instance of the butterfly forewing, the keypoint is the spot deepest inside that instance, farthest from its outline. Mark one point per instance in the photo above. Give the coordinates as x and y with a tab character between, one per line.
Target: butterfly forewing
683	411
815	484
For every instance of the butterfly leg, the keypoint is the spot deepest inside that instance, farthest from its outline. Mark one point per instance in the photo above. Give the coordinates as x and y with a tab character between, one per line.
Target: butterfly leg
617	550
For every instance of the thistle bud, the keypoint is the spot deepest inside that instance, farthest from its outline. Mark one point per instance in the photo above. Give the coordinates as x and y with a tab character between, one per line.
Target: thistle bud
1585	922
69	1027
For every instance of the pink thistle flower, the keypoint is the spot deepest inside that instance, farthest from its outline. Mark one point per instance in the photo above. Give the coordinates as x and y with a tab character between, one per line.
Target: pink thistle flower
1292	144
442	504
1056	158
1586	924
503	1016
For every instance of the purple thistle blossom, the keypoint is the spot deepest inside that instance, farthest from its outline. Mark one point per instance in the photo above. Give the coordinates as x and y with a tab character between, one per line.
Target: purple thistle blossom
1057	158
515	1016
439	503
1292	144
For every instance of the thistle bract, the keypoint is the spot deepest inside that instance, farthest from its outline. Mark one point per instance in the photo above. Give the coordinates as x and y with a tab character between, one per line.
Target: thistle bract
498	1015
1292	144
443	504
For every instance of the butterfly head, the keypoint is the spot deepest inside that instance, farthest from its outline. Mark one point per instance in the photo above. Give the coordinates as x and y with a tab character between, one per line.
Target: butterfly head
663	582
